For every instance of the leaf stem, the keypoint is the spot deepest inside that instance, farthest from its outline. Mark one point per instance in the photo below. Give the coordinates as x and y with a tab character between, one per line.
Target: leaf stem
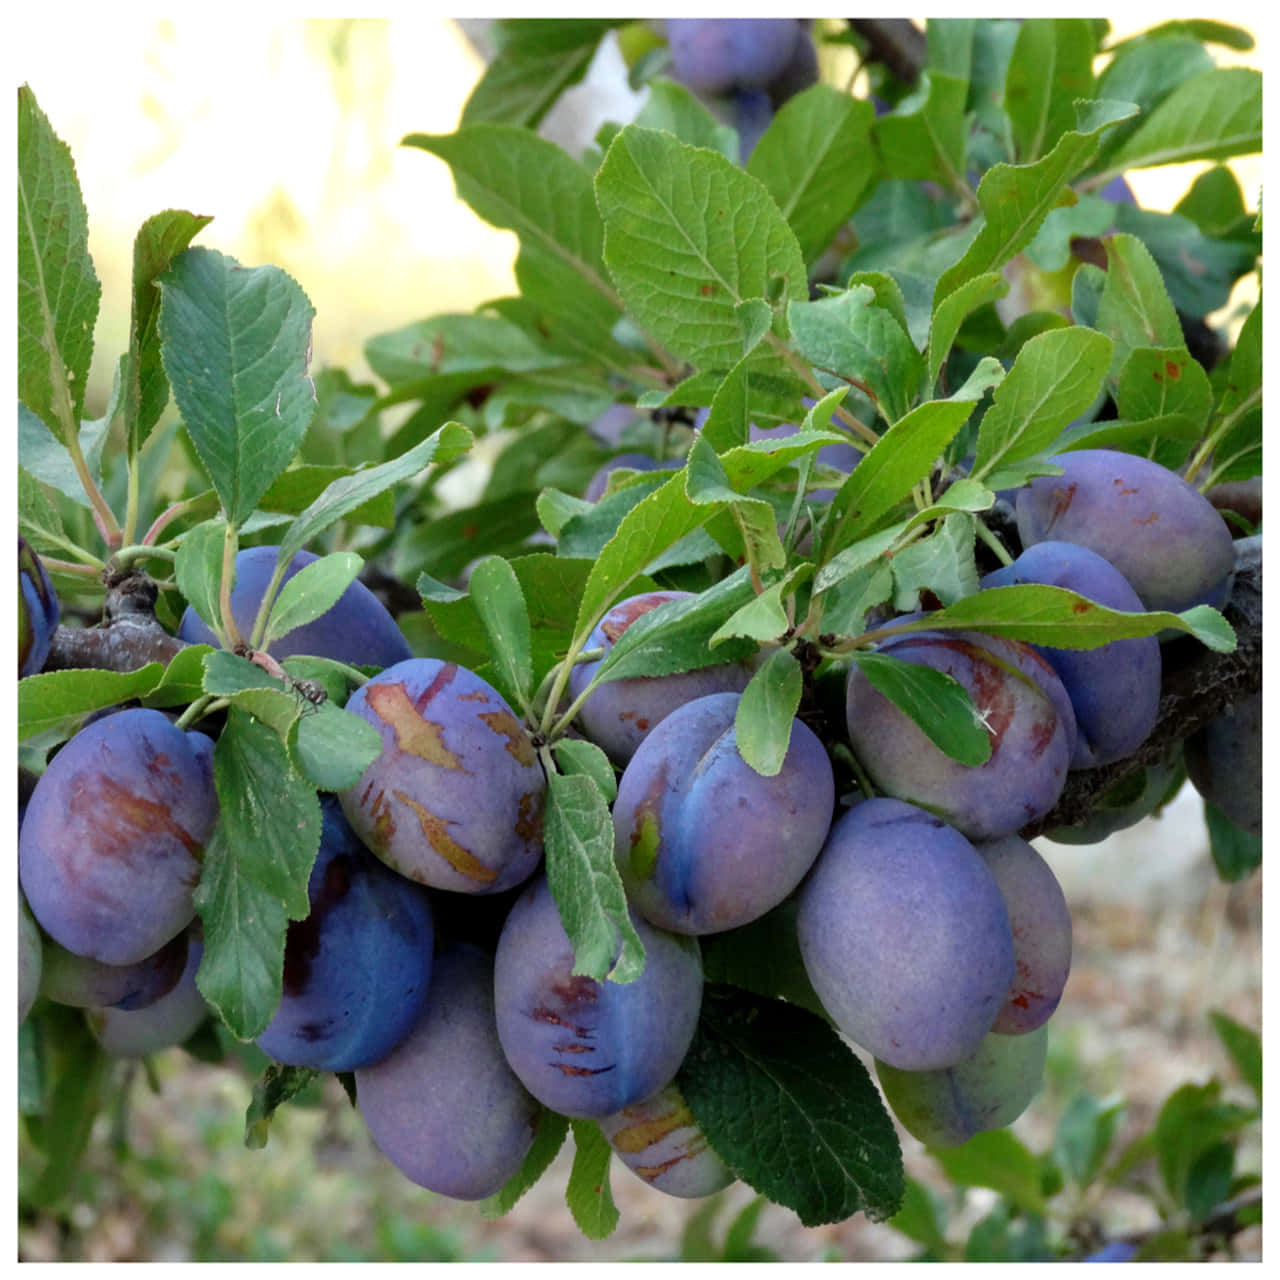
230	542
204	705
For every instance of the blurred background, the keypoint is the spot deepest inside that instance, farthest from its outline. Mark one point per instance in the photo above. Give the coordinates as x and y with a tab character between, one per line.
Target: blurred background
287	132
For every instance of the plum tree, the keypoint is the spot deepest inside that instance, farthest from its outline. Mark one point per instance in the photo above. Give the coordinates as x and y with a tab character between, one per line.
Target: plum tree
660	1142
1114	689
110	847
1040	923
988	1089
444	1106
455	798
1173	548
619	715
704	843
84	983
164	1023
38	610
358	629
1022	704
582	1047
356	968
1224	763
905	936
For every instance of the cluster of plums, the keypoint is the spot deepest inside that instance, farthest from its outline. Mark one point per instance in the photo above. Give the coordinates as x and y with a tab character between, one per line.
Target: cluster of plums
935	937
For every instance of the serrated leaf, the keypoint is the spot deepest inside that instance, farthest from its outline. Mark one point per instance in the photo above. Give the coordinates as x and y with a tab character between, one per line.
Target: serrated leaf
1155	381
578	756
482	344
333	747
688	237
588	1194
256	867
816	160
763	617
183	679
766	713
671	108
941	563
1134	309
59	700
585	883
58	289
311	592
937	703
295	489
927	140
252	690
49	462
547	1141
1055	378
198	570
496	595
1050	68
236	343
146	389
38	519
792	1111
951	311
995	1159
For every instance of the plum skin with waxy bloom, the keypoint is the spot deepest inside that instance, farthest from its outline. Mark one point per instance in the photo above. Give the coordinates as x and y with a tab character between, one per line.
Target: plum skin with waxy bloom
455	798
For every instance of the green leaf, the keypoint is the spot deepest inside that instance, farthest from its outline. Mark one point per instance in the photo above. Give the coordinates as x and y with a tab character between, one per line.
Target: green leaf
1015	199
549	1138
941	563
295	489
256	867
1244	1047
50	463
950	313
1085	1131
535	61
766	712
198	570
333	747
59	700
1134	309
1209	1179
1050	68
278	1085
495	592
311	592
1062	619
922	1217
925	137
488	346
1236	854
183	679
689	237
347	493
58	289
849	336
995	1159
1214	202
578	756
671	108
1204	29
1155	381
252	690
816	160
1193	1119
38	519
763	617
235	343
1055	378
792	1111
588	1194
1211	116
146	389
585	882
937	703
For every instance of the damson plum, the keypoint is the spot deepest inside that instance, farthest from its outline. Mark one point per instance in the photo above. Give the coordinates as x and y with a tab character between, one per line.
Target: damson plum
905	936
455	799
30	960
620	714
444	1107
358	629
356	969
113	836
660	1142
1041	926
587	1048
1173	548
1224	763
38	610
1028	718
989	1089
162	1024
704	843
87	984
716	55
1114	689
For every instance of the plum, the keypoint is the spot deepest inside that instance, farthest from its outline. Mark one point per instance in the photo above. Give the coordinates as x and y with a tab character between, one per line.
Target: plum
704	843
988	1089
1170	543
620	714
1114	689
905	936
455	798
85	984
636	461
1024	707
356	968
752	115
1115	1251
166	1022
30	960
1041	926
610	425
660	1142
358	629
110	849
1224	763
444	1107
716	55
38	610
586	1048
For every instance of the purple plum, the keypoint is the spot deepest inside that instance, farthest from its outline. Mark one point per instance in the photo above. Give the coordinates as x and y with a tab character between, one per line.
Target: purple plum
166	1022
38	610
1224	763
87	984
716	55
